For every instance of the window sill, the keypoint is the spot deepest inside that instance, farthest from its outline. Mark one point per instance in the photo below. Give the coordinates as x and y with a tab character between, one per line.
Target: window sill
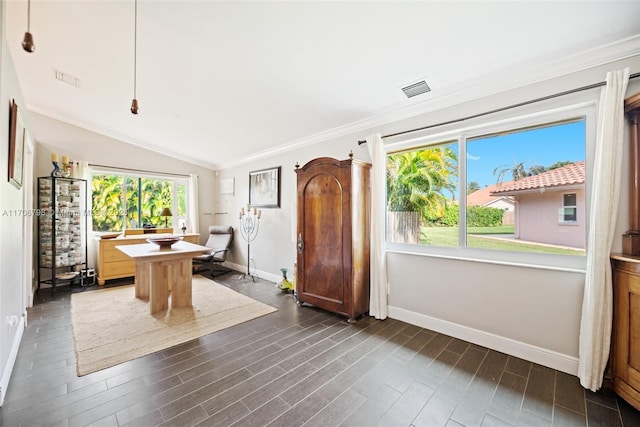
568	263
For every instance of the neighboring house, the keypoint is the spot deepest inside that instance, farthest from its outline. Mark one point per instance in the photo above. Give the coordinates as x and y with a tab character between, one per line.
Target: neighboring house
483	197
550	207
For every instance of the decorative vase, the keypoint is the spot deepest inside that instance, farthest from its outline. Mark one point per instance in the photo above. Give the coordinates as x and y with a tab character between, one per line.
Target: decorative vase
285	285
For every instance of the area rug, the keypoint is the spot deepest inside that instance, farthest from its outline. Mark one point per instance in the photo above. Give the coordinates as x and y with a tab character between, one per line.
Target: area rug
111	326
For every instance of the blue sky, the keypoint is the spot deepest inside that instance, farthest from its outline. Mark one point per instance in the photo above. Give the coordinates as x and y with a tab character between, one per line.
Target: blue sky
542	146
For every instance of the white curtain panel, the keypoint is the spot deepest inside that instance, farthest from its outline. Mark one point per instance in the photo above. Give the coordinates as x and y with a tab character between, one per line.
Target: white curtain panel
379	288
194	224
597	310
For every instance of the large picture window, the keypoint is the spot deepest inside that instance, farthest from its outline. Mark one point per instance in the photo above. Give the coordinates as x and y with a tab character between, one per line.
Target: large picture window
130	200
498	188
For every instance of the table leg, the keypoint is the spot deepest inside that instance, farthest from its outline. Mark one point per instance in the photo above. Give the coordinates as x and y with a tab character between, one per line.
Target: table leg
158	288
180	279
143	278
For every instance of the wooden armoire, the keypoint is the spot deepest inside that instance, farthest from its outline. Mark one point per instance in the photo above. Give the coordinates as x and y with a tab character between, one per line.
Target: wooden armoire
333	235
625	338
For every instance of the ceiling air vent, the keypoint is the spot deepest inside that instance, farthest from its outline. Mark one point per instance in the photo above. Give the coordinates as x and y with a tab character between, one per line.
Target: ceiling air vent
416	89
66	78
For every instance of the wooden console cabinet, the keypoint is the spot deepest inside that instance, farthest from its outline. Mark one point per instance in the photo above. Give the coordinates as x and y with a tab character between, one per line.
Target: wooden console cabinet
333	235
114	264
625	337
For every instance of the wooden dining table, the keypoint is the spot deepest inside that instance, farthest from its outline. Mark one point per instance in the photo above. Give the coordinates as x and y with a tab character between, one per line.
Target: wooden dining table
160	270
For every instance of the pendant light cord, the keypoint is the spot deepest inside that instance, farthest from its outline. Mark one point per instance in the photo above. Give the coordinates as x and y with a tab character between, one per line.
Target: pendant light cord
28	16
135	48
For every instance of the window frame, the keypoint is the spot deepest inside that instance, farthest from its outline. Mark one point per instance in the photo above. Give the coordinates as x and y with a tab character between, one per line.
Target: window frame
176	181
576	106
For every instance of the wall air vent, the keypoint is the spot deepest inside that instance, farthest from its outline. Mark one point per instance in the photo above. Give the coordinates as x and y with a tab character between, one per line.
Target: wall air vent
66	78
416	89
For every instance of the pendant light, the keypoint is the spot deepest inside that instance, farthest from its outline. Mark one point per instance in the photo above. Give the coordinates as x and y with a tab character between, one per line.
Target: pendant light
134	103
27	42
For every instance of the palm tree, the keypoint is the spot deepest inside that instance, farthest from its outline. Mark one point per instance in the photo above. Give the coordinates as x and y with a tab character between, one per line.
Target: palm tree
537	170
106	202
416	183
472	186
417	180
517	171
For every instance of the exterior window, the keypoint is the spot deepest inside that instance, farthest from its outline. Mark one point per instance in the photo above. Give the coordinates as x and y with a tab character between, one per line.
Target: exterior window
570	208
529	170
122	201
515	180
421	196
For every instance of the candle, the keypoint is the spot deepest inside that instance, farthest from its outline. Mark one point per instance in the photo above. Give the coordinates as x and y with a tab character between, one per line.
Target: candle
65	159
248	206
255	211
259	214
240	215
242	211
54	157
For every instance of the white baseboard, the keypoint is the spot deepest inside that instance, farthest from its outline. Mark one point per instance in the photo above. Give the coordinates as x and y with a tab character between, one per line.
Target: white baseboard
8	368
241	269
532	353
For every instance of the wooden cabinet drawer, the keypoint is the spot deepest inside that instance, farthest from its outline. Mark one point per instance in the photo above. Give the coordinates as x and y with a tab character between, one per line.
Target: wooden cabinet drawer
192	239
119	269
113	255
110	245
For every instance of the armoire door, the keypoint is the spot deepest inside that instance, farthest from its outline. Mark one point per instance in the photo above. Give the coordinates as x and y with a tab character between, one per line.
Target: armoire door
324	227
626	330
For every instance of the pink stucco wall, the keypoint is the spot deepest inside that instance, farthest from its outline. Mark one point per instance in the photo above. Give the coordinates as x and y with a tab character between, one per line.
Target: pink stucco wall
538	219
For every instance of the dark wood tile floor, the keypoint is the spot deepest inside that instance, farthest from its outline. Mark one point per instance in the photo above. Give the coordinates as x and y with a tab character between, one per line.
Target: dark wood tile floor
297	366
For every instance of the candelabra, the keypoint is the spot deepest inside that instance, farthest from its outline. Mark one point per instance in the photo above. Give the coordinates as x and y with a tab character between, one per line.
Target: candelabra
249	226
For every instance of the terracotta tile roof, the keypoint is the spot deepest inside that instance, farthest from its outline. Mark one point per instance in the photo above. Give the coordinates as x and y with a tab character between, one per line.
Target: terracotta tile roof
571	174
483	196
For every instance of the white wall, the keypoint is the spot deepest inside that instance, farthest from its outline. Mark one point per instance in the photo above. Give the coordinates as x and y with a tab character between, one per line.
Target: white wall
11	231
529	312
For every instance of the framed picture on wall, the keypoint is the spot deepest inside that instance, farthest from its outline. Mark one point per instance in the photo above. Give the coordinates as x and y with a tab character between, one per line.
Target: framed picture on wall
16	146
264	188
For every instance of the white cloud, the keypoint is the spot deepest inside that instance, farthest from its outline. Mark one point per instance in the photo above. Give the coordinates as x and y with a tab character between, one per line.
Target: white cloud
471	157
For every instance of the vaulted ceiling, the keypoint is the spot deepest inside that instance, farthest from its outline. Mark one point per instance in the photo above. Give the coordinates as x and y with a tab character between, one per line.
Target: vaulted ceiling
221	83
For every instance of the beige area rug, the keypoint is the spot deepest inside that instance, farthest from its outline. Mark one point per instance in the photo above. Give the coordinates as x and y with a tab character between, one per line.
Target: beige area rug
111	326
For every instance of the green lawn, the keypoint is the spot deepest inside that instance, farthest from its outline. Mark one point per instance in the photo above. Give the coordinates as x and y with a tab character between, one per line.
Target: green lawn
500	229
448	236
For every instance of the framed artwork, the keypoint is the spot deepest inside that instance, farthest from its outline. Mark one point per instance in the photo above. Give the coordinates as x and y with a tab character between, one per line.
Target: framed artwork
264	188
16	146
226	186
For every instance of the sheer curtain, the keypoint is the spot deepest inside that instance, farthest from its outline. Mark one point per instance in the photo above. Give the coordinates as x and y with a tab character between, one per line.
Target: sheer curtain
595	325
193	204
379	288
